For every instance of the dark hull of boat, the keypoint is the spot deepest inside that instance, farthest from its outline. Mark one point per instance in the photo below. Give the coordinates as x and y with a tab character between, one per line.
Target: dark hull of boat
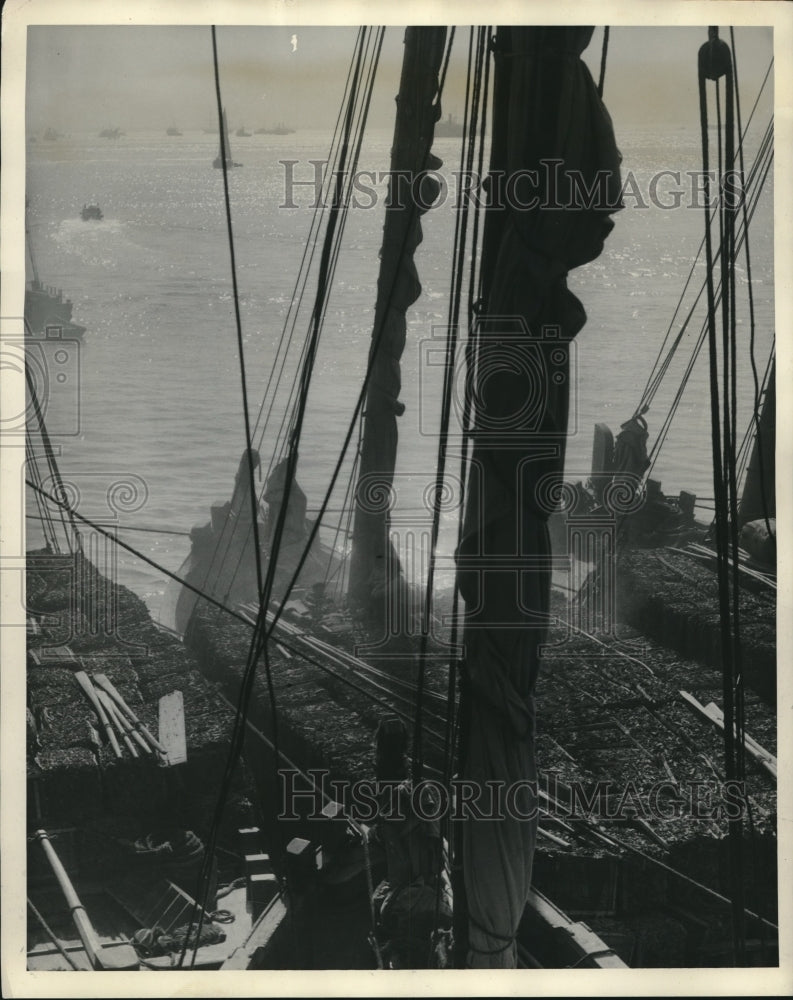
46	309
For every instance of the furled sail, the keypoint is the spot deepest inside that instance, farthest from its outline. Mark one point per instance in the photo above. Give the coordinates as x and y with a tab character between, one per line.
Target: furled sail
554	180
375	575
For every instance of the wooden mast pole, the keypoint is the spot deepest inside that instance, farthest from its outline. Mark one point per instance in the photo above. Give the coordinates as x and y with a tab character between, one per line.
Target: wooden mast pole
375	575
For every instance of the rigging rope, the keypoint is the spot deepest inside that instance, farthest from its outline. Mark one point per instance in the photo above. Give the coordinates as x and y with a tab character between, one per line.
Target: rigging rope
45	515
752	330
259	640
654	378
757	189
603	55
714	62
478	67
287	420
376	339
52	466
760	168
458	261
457	720
734	471
231	528
209	853
223	546
237	320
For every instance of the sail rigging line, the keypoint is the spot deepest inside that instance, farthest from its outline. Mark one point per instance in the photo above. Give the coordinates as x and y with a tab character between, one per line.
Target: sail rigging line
52	464
662	434
301	280
356	139
458	688
347	504
45	514
266	632
346	520
767	155
238	325
752	429
458	264
96	526
243	618
714	61
376	338
333	180
228	533
259	643
474	102
377	581
743	133
752	329
469	348
603	54
756	187
740	734
210	848
239	616
224	542
378	333
292	401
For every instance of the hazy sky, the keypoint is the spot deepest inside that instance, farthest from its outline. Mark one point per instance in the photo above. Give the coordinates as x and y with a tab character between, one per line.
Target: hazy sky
82	78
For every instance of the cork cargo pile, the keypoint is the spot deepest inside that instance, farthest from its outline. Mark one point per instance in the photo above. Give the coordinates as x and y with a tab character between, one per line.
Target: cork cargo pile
673	598
608	712
80	621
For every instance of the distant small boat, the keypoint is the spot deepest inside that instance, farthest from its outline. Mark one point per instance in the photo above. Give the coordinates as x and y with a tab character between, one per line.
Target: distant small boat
110	133
172	130
51	135
242	132
89	212
225	149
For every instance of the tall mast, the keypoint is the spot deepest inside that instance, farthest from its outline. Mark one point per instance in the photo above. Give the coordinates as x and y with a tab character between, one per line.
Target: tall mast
547	115
374	569
224	138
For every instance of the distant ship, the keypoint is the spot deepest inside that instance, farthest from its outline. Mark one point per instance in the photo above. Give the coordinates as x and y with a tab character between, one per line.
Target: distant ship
46	310
91	212
225	148
51	135
110	133
172	130
241	132
450	129
280	129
